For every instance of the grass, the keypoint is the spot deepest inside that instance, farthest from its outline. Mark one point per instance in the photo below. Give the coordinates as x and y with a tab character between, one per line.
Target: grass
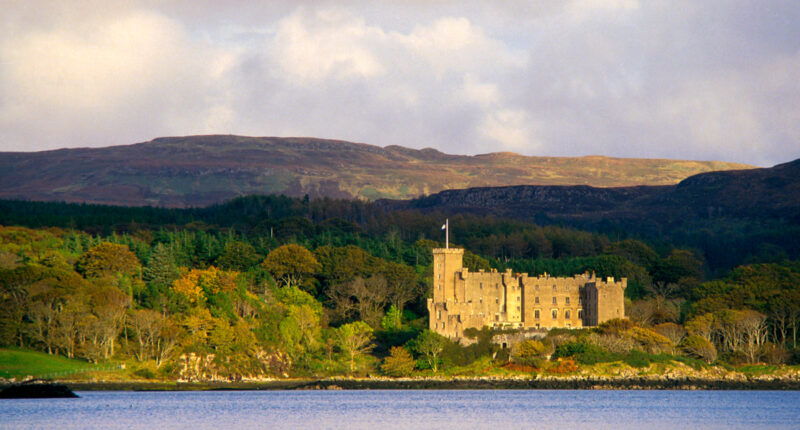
19	363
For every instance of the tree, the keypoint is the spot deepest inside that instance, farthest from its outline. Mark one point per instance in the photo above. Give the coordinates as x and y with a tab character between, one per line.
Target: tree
674	274
399	362
402	283
430	344
363	297
354	340
238	256
146	326
291	265
161	269
108	259
108	305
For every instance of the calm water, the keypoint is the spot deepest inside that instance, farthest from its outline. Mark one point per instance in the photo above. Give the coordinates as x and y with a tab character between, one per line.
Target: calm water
462	409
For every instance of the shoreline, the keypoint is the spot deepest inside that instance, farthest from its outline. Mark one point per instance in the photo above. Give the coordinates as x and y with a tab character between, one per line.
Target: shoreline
456	383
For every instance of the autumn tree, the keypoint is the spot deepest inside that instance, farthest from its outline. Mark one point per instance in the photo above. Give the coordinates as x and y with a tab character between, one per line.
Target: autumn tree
108	259
291	265
399	363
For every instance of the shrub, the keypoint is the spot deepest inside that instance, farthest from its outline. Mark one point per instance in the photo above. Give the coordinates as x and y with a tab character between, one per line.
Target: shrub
616	325
565	365
699	347
637	358
529	352
398	363
584	353
651	341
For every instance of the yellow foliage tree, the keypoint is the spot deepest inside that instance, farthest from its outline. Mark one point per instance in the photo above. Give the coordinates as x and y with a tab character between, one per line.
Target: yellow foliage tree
198	284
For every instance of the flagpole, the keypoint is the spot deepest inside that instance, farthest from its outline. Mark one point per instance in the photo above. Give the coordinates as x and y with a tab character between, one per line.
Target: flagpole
447	232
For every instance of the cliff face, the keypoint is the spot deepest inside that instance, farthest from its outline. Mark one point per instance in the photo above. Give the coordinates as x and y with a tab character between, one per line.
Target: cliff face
201	170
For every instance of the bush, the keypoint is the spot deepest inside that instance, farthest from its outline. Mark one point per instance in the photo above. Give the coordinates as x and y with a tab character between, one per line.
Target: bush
651	341
637	358
616	325
584	353
698	347
529	352
565	365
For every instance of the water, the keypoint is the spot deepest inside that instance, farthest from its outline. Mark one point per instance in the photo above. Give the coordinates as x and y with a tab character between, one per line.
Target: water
433	409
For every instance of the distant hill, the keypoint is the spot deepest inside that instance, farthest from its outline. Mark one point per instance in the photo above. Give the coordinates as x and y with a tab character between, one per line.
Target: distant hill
201	170
754	194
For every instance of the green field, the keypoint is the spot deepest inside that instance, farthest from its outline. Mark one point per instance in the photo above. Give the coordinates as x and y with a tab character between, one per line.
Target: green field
19	363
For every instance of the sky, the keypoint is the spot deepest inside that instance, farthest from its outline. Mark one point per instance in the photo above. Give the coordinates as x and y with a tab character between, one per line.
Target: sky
702	80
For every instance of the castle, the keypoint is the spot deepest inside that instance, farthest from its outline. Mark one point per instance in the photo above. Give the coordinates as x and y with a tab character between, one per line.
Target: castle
464	299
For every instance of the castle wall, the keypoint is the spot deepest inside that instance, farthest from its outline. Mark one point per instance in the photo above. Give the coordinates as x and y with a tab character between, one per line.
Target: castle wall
464	299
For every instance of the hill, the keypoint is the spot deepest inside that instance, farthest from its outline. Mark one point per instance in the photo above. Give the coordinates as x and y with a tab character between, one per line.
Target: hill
755	194
201	170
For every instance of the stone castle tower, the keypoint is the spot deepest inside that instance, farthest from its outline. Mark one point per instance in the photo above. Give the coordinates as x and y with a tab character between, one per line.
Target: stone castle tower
464	299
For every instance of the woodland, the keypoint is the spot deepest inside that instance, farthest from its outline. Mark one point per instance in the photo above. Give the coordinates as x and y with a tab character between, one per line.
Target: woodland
272	286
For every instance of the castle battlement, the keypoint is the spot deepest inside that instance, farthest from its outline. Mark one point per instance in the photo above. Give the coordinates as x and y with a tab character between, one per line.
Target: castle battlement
463	299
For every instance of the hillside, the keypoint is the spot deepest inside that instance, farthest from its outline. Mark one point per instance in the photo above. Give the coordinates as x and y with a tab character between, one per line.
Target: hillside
201	170
768	193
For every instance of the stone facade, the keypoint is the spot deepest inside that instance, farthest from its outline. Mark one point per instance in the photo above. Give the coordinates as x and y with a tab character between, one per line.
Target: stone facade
464	299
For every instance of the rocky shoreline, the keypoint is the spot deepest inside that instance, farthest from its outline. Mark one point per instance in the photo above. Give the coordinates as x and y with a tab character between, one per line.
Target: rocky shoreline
455	383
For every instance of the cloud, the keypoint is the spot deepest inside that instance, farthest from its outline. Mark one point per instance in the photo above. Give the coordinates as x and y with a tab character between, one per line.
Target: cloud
712	80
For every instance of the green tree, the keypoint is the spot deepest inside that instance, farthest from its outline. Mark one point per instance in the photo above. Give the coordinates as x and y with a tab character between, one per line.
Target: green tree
291	265
238	256
161	269
430	345
354	340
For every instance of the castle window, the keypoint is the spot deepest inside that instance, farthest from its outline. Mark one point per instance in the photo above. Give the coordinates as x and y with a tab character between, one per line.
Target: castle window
580	300
442	326
555	300
566	314
438	314
497	301
580	313
566	300
536	300
480	285
497	317
481	299
555	314
518	308
536	314
518	299
555	288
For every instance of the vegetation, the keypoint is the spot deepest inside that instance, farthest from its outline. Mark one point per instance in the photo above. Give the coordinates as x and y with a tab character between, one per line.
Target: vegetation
272	286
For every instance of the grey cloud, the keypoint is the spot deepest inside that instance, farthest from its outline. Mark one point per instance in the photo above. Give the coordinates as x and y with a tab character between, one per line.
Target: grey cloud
674	79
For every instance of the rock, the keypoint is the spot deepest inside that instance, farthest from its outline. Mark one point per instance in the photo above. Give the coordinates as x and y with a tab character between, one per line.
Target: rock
36	391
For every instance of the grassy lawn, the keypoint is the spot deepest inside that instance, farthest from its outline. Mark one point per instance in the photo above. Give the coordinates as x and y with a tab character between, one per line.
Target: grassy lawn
18	363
